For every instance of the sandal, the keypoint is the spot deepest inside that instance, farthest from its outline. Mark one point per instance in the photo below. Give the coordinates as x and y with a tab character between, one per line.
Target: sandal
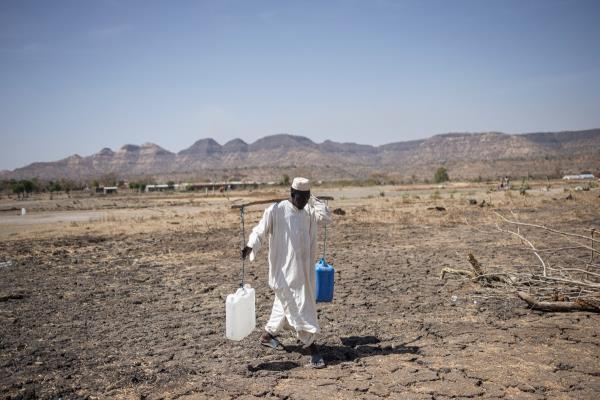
272	342
316	361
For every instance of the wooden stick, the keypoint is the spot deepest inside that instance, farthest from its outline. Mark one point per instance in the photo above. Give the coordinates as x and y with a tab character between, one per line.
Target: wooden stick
253	203
557	305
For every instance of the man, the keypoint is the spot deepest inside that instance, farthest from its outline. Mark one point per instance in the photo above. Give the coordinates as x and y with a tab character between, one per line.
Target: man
291	229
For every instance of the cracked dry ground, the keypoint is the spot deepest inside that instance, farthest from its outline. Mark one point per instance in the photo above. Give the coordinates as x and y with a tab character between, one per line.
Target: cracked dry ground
142	316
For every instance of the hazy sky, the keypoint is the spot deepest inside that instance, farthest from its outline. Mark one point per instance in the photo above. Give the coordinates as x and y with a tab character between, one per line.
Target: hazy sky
76	76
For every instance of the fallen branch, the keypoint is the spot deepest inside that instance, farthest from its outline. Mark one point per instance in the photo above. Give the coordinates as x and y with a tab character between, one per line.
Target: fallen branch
580	270
561	306
546	228
561	249
447	270
478	274
572	282
581	245
535	251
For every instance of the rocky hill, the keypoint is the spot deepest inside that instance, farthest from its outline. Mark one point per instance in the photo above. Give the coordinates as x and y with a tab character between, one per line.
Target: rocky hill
465	155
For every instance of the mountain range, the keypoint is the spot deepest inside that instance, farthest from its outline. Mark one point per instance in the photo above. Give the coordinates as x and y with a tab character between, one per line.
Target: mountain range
464	155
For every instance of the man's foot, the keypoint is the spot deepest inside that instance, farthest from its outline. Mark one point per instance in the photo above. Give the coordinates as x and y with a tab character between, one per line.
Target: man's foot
316	359
269	340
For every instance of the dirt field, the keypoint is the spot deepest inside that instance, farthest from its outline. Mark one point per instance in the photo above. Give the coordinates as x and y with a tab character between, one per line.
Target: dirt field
124	297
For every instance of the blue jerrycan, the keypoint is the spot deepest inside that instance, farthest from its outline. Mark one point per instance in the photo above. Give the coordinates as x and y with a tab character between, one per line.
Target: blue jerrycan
324	273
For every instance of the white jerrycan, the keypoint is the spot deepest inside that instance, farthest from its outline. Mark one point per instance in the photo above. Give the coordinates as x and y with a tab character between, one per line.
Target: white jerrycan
240	314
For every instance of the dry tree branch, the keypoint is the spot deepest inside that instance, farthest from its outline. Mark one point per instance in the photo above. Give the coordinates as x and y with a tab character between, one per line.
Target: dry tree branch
554	281
560	249
575	270
478	274
583	246
573	282
447	270
555	231
545	228
577	305
535	251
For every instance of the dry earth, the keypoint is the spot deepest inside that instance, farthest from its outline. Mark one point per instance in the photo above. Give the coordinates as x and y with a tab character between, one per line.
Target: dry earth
127	301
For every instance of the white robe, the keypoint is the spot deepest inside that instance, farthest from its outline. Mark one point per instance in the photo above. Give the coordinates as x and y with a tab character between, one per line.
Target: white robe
292	236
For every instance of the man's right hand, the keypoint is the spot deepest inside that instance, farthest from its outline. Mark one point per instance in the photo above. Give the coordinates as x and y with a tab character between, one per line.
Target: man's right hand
245	251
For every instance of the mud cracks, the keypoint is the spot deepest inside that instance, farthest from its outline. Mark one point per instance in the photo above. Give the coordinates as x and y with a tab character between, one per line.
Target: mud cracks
142	316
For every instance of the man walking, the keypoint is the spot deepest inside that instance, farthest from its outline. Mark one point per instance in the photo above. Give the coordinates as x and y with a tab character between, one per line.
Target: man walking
290	226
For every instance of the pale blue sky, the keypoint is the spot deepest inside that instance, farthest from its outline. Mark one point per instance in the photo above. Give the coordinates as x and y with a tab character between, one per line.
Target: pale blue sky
76	76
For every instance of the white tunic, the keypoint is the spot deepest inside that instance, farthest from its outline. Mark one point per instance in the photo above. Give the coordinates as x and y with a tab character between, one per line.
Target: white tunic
292	236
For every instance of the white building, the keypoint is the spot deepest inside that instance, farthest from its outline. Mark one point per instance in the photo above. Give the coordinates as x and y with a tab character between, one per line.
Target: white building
578	177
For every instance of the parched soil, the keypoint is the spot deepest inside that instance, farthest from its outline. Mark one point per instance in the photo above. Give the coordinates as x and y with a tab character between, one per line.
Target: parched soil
112	313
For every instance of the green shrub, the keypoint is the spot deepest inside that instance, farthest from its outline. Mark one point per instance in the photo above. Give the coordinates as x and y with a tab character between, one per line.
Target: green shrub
441	175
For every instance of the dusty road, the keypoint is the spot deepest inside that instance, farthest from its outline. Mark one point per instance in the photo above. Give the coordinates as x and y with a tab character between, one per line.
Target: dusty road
132	306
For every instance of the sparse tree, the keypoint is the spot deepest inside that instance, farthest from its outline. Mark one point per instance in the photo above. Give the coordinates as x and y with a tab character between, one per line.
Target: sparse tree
18	188
5	186
441	175
54	187
28	185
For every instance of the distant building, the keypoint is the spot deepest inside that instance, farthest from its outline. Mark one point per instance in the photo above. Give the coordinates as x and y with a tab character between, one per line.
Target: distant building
578	177
108	189
165	187
222	186
158	188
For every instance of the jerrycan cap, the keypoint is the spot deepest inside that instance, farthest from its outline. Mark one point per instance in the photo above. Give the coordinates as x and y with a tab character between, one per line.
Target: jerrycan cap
244	289
247	286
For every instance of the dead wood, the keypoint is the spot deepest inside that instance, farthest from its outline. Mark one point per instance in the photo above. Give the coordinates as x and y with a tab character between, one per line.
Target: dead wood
487	278
478	274
568	281
547	229
13	296
525	240
561	306
475	264
464	272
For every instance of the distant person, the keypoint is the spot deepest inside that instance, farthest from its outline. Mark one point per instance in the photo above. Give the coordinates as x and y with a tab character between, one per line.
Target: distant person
290	226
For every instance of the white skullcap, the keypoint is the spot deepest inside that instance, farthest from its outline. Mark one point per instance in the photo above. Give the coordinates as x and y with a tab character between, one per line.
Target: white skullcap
301	184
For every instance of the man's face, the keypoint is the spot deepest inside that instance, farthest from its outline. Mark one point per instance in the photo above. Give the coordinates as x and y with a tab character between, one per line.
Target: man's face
299	198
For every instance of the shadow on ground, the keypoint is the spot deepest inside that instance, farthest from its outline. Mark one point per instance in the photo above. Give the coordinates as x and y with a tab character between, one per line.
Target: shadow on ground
351	349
